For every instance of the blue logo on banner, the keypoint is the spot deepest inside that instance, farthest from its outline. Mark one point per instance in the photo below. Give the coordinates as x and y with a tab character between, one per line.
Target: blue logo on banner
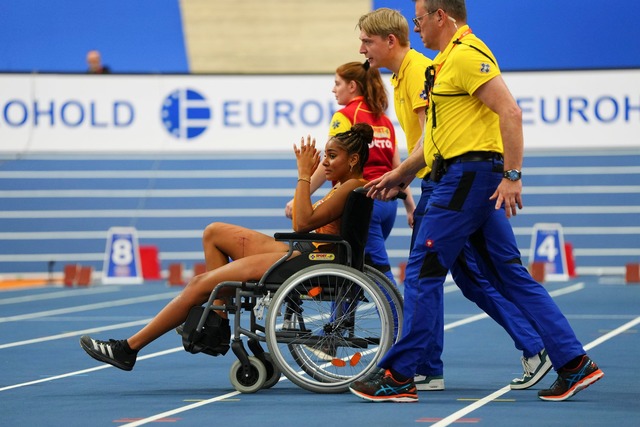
185	114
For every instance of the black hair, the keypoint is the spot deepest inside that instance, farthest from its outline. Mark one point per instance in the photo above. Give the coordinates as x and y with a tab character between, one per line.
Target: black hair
356	141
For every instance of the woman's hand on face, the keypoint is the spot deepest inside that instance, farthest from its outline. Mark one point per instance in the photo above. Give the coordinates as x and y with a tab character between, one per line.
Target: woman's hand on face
307	157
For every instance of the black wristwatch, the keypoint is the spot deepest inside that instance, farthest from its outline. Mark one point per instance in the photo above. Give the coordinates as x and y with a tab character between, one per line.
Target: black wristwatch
512	174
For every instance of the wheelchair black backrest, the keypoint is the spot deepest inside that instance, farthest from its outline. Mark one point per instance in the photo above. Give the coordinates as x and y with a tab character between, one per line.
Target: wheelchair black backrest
354	229
354	226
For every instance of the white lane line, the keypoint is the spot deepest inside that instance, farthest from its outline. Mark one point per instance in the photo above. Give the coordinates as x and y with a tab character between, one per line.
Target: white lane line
181	409
75	333
480	316
271	212
85	371
60	294
88	307
567	290
197	233
269	192
480	403
162	174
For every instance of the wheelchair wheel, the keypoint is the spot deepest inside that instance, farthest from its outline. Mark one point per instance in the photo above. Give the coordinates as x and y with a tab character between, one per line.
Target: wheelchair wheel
395	300
394	297
251	382
328	325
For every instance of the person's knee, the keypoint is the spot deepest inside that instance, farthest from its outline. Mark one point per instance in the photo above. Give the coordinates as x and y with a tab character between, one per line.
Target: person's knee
198	289
211	231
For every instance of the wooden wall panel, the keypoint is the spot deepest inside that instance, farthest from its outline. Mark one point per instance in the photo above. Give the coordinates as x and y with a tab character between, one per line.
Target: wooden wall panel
271	36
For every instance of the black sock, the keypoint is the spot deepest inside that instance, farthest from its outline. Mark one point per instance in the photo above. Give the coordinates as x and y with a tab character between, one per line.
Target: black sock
398	376
128	349
573	363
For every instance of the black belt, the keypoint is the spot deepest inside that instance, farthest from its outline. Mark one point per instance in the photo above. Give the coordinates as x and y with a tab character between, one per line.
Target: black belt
474	156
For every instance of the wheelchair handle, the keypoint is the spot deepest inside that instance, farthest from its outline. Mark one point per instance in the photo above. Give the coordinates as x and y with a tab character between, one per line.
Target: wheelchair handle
401	195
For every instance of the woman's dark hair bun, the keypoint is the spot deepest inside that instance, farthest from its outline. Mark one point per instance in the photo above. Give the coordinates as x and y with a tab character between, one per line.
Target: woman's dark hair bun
364	130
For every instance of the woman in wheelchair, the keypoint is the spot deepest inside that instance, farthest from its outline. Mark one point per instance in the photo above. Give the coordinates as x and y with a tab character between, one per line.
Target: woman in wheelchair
252	252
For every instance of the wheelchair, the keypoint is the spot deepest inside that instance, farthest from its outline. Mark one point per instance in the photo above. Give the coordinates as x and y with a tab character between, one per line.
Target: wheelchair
325	317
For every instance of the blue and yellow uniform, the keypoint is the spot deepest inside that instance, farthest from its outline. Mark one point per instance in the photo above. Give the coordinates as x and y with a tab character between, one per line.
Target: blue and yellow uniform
466	132
409	96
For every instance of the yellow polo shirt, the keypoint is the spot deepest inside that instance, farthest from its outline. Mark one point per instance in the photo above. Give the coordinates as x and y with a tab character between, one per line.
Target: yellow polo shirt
409	95
463	123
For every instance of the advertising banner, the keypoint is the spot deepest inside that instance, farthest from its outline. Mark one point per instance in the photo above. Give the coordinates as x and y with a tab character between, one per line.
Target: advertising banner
258	113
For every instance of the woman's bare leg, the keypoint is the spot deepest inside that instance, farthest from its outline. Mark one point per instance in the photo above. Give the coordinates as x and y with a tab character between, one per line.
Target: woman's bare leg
197	293
222	241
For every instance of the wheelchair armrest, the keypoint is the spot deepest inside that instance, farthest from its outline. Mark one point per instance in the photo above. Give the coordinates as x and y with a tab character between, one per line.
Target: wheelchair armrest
308	237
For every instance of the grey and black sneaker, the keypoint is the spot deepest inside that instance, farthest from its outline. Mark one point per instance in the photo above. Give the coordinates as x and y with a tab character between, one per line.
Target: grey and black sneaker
571	381
535	368
112	352
429	383
324	350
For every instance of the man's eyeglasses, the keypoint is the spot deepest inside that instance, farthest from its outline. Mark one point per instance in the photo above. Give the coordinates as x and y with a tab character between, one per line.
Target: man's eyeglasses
418	19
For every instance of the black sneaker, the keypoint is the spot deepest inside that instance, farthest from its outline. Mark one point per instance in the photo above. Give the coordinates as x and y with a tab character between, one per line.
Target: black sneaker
571	381
111	352
382	387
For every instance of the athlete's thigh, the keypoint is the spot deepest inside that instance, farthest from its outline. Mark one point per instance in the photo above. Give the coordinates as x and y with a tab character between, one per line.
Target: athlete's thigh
239	242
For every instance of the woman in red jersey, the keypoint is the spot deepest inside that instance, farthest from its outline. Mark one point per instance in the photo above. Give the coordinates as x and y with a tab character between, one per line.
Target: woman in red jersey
362	93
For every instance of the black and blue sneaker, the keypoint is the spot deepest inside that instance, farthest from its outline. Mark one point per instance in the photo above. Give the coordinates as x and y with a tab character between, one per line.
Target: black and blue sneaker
381	386
571	381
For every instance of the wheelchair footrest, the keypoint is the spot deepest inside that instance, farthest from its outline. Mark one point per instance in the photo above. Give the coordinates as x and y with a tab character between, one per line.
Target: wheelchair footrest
214	337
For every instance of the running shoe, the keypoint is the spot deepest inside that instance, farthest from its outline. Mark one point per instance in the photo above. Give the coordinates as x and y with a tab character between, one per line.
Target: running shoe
429	383
571	381
382	387
535	368
112	352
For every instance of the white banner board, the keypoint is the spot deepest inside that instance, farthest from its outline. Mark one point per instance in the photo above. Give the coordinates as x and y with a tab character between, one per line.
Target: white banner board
163	113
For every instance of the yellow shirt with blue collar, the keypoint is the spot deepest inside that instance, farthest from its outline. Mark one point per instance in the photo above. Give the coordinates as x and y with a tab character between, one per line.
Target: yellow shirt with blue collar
462	122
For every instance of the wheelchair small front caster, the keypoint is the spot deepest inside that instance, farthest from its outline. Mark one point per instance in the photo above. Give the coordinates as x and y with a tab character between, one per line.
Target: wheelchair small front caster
250	381
273	373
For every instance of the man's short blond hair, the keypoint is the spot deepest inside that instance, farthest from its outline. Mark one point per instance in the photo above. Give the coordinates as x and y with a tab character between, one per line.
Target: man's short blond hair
383	22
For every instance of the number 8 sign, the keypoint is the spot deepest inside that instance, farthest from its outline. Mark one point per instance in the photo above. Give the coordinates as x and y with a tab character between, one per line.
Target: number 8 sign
547	247
122	257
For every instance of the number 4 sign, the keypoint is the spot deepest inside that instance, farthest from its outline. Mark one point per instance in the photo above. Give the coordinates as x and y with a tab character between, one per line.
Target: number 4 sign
122	257
547	247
